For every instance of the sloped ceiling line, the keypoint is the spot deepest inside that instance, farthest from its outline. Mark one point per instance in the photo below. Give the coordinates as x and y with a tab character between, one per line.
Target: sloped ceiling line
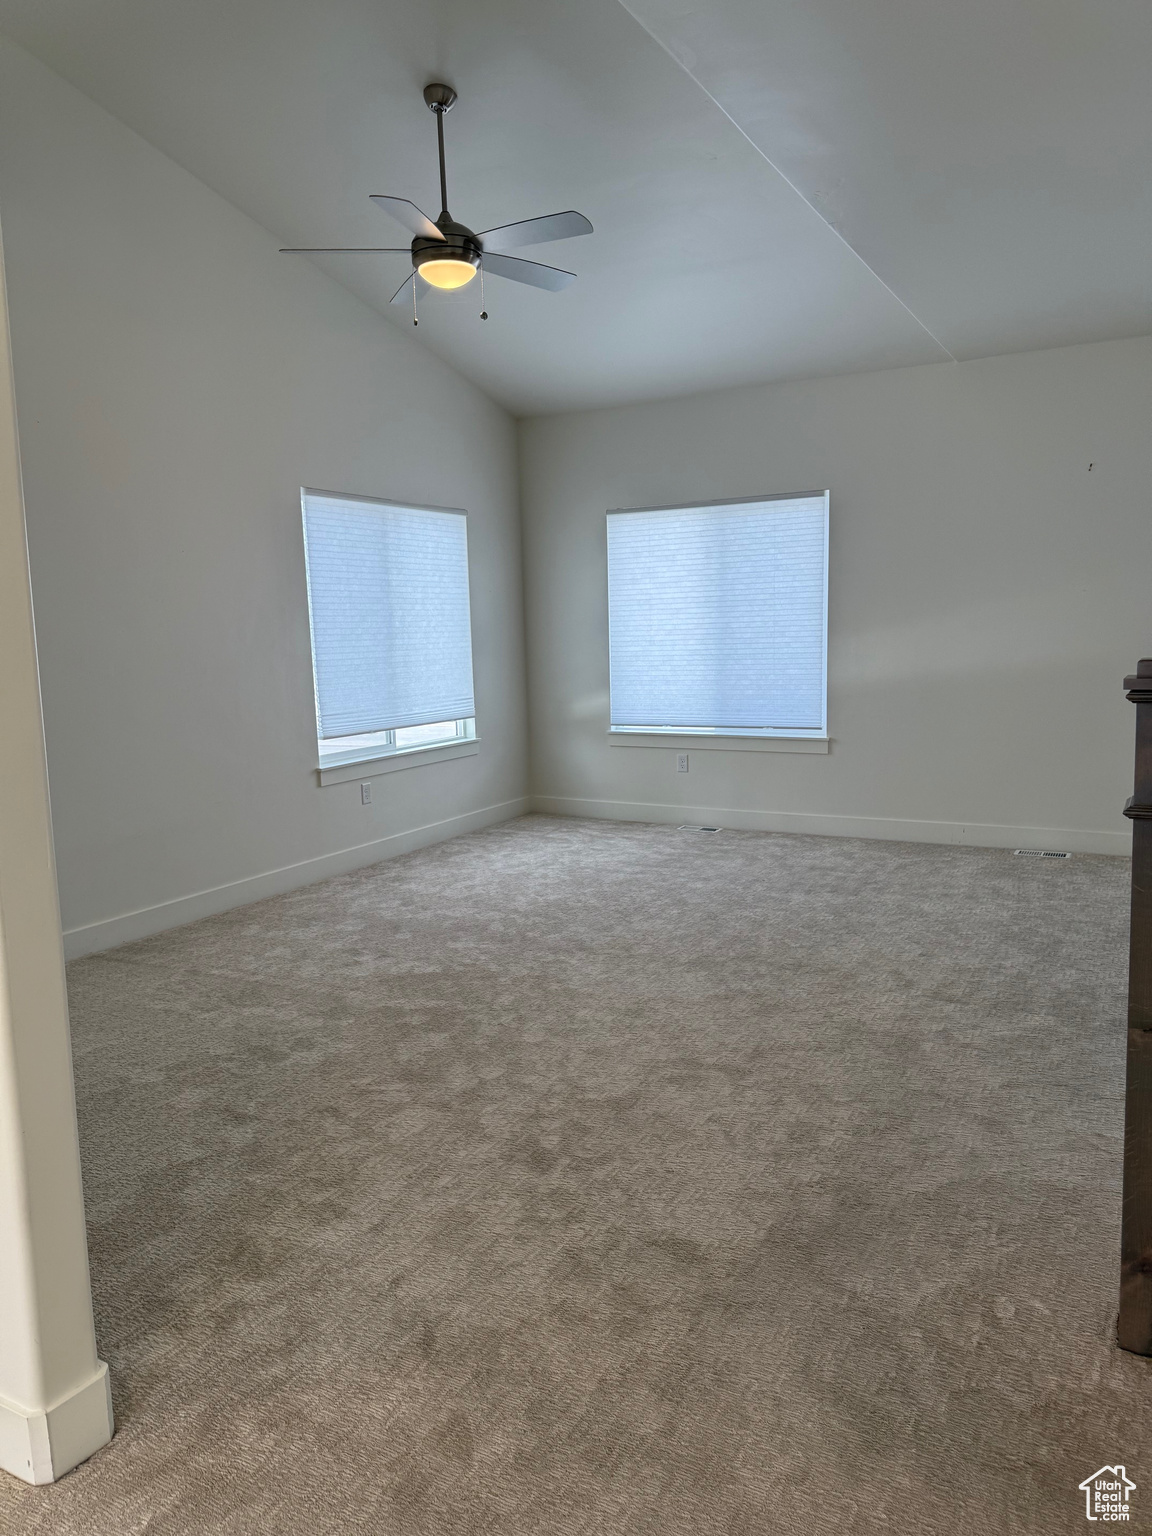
682	65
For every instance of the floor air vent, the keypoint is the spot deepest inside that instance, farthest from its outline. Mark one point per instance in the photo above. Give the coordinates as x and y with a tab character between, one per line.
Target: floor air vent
698	829
1038	853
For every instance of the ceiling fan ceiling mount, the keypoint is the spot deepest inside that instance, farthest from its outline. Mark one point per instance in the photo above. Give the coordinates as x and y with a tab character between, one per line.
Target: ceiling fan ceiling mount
439	98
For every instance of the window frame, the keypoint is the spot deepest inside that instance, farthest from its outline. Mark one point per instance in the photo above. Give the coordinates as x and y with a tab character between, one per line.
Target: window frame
384	751
701	736
385	744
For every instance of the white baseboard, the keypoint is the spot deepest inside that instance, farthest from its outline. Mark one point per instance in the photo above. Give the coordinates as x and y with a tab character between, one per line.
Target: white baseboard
963	833
111	931
41	1446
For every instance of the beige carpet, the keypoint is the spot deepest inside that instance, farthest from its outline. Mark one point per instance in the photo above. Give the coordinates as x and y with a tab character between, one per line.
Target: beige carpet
577	1177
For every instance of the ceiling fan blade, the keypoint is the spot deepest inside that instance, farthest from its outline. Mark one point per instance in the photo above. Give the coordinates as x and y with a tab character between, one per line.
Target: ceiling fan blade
551	226
531	272
408	214
345	250
403	294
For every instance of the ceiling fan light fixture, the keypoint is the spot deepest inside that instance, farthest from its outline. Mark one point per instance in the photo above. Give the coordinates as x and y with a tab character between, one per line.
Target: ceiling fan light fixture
447	272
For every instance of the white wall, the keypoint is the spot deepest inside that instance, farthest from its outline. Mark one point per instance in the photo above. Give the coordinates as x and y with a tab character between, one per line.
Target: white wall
177	381
988	592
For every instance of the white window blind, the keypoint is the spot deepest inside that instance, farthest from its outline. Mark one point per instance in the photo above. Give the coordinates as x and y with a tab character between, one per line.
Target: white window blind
718	617
388	601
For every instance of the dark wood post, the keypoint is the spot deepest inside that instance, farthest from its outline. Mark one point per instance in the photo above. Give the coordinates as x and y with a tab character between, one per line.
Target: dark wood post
1135	1327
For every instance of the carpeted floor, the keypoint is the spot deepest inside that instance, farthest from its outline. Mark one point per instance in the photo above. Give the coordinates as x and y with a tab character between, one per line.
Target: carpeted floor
579	1177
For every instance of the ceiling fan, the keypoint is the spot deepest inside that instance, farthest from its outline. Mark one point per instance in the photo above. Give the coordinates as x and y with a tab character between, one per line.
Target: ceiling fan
447	255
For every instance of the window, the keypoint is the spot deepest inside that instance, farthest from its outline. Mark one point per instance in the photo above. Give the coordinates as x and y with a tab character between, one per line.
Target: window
391	630
718	618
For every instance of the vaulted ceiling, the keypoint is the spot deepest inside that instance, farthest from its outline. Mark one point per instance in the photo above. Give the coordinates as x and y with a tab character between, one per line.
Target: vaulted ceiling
778	190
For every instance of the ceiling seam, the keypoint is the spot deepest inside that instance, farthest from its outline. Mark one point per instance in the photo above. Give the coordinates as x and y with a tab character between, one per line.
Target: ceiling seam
680	64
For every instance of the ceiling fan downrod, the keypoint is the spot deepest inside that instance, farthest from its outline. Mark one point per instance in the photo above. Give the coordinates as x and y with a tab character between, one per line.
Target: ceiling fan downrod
440	99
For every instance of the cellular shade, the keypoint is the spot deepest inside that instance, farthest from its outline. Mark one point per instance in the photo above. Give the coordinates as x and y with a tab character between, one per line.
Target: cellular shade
388	599
718	616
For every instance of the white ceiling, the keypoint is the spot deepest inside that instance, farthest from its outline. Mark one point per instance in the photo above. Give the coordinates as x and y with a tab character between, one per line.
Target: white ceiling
778	190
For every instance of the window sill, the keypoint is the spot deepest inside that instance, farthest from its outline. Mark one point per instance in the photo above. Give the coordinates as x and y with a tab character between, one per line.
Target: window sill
689	741
393	762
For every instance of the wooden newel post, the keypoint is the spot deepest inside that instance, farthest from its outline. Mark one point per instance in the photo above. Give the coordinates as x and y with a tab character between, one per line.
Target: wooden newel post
1135	1327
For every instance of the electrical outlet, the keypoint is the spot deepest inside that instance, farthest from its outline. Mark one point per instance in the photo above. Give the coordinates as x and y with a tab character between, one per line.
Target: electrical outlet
365	794
681	762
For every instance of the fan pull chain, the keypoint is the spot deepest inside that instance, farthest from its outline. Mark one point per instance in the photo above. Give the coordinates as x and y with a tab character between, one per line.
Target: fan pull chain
483	310
415	319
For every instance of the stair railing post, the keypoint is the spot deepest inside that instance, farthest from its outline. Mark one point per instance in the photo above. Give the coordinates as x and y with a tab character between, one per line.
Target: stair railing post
1134	1330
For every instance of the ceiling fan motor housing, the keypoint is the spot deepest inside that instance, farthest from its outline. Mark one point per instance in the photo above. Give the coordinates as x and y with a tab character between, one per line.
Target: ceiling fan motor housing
458	244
